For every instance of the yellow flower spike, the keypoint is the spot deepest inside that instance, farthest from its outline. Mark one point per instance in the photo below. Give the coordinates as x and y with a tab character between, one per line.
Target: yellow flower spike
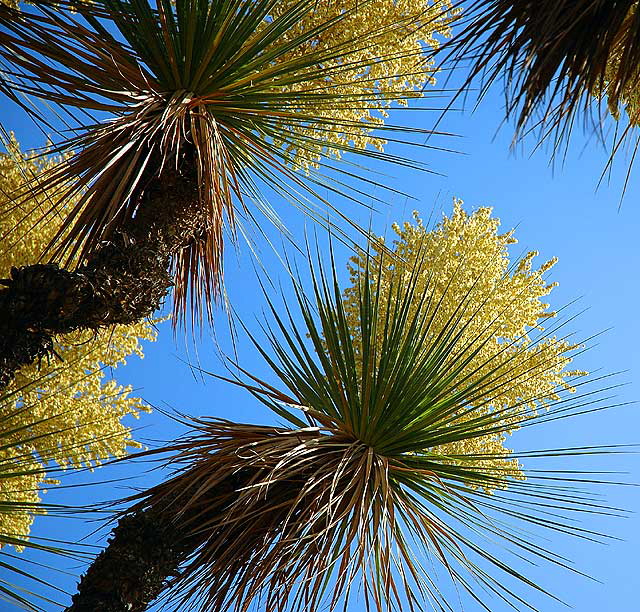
403	29
629	97
464	260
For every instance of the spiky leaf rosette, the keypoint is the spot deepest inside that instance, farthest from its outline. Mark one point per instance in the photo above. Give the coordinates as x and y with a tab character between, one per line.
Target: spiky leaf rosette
553	56
226	94
461	268
397	394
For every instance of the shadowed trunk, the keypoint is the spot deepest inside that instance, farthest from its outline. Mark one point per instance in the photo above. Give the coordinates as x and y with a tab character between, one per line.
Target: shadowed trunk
148	546
143	551
124	281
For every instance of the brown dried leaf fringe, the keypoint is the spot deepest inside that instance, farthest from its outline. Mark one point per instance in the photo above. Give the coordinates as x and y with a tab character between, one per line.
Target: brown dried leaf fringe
117	161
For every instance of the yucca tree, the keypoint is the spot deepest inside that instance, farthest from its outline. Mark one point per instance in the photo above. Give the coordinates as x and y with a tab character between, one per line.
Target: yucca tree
392	458
205	104
556	58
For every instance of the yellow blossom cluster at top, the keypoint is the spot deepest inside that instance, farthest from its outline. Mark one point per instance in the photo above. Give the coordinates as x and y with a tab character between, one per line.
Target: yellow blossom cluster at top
463	268
382	57
382	46
68	409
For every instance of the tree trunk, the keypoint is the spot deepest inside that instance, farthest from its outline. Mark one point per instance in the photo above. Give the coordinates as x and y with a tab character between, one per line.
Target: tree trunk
124	281
151	542
145	548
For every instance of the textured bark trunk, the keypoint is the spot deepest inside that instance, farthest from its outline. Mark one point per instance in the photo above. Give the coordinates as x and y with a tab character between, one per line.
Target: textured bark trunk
144	550
124	281
148	546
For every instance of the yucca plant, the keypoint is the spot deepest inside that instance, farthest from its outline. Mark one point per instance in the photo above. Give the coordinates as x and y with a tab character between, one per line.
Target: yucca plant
205	104
392	458
554	57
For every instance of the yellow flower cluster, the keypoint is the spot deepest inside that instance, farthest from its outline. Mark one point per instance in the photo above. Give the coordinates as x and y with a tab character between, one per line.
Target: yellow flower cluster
65	409
382	60
463	269
20	480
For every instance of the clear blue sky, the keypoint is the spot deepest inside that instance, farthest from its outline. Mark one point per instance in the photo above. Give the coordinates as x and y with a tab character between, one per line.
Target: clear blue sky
557	211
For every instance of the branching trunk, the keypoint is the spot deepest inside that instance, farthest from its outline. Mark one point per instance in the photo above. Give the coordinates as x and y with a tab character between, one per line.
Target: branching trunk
123	282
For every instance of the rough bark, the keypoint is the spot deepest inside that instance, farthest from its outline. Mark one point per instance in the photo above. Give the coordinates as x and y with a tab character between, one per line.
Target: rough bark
145	548
124	281
150	544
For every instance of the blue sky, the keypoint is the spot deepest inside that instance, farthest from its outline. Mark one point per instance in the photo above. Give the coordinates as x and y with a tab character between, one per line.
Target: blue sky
557	211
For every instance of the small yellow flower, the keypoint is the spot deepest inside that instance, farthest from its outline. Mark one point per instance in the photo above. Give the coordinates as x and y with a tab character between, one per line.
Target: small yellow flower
382	51
630	96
